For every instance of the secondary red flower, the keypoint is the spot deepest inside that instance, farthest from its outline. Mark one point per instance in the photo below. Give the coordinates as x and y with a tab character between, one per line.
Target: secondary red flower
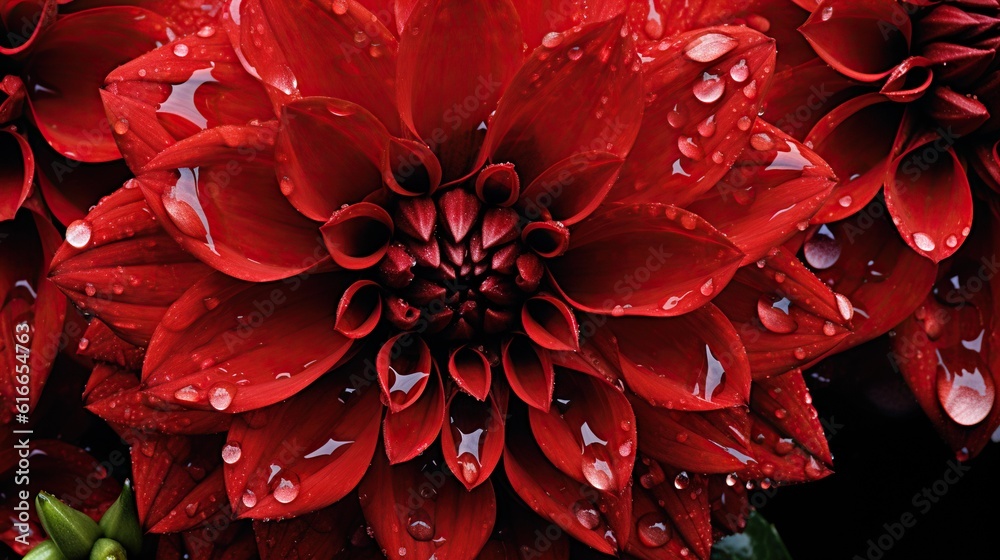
379	250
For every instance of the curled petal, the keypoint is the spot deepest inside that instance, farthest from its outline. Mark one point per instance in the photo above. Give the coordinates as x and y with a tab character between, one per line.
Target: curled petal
708	87
929	198
550	323
544	117
358	236
572	189
274	472
235	346
410	168
34	17
417	507
775	187
249	231
498	184
471	371
909	80
856	139
646	259
547	239
404	365
328	153
17	169
529	371
590	433
473	441
411	431
66	105
880	32
359	310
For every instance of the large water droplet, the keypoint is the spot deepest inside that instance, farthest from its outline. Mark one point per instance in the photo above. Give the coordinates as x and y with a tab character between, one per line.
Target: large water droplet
682	480
286	489
419	525
78	234
586	514
709	47
231	453
709	89
923	242
654	529
221	396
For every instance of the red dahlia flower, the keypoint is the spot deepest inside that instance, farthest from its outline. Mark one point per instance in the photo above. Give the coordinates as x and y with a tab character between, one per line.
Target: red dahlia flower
372	248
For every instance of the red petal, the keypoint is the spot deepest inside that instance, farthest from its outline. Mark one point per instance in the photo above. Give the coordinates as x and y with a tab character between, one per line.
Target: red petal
929	198
883	279
692	362
657	518
17	168
572	189
707	88
557	497
128	270
70	187
716	441
473	442
879	31
65	104
416	509
114	395
648	259
274	472
27	299
100	344
540	17
470	74
546	105
190	84
470	370
302	48
403	364
775	187
801	95
250	232
784	402
272	339
329	152
529	371
320	535
359	310
358	236
856	140
411	431
26	22
178	481
184	17
550	323
785	315
590	434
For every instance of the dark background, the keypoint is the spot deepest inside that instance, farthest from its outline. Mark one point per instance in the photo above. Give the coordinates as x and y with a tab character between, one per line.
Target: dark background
885	452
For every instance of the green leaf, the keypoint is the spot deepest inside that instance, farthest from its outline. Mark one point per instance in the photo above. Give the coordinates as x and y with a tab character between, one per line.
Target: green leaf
121	521
107	549
45	550
72	531
759	541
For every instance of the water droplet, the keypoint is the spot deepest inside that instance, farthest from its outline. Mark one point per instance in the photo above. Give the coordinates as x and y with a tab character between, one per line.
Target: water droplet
249	498
121	126
707	288
923	242
617	311
575	53
186	394
829	329
845	200
419	525
826	13
709	47
221	396
682	480
287	489
780	414
707	127
586	514
90	289
732	479
799	353
339	7
552	40
744	123
783	446
718	157
750	90
844	306
762	142
740	71
206	31
231	453
181	49
951	242
78	234
654	530
709	89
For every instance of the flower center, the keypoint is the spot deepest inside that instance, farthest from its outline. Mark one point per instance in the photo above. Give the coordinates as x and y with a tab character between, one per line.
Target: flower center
457	263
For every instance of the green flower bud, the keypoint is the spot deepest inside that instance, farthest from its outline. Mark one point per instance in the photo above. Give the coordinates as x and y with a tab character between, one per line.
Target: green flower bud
107	549
72	531
121	521
46	550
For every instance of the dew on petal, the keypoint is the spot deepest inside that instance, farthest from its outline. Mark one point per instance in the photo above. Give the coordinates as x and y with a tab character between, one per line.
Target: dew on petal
231	453
654	530
709	89
923	242
78	234
709	47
